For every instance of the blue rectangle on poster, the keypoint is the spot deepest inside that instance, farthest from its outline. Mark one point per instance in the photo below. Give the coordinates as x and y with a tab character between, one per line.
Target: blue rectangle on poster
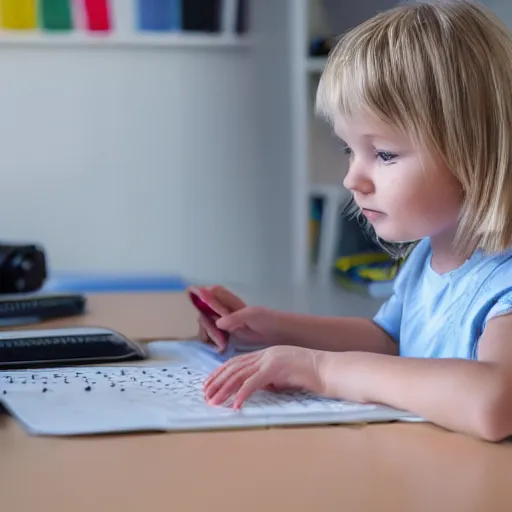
159	15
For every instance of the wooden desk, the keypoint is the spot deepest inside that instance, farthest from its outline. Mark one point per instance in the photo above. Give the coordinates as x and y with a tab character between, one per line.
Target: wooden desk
395	467
140	316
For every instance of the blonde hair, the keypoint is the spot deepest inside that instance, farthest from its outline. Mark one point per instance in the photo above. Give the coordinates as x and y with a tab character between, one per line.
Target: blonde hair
442	72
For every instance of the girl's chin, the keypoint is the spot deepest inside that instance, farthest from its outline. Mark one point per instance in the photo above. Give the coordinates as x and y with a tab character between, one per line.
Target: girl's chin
393	236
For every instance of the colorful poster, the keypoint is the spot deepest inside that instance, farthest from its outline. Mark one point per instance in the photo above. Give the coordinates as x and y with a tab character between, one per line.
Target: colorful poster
18	14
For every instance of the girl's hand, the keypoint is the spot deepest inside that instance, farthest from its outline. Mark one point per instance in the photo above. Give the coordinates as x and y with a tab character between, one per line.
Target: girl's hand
275	368
249	325
223	302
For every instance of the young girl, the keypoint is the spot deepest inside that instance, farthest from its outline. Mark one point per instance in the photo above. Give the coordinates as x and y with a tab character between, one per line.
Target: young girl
421	96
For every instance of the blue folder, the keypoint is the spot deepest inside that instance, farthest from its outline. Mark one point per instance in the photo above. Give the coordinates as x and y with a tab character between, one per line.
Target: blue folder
105	282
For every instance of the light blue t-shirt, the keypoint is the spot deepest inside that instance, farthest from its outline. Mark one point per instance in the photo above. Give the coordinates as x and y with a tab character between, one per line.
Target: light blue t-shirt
444	315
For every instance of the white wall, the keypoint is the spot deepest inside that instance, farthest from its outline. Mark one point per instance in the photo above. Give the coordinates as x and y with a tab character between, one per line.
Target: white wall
503	8
272	65
138	159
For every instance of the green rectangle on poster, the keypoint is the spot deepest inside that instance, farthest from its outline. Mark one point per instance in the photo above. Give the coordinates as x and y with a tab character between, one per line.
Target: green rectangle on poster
56	14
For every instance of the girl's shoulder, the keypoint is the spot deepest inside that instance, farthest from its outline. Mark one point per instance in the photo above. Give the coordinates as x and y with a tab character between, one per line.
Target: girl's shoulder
492	285
490	274
485	266
493	272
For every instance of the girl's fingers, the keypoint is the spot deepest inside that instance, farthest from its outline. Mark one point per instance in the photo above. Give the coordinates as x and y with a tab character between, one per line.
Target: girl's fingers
213	386
232	322
231	385
217	304
214	380
213	333
254	382
219	376
203	335
231	301
243	360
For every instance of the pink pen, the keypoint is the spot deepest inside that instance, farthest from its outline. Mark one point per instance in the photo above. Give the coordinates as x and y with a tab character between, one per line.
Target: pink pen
205	309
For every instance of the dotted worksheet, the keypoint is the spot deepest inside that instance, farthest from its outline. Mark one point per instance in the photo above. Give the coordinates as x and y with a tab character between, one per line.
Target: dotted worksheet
113	399
175	385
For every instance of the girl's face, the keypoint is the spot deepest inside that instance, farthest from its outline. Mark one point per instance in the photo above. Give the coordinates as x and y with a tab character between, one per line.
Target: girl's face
403	192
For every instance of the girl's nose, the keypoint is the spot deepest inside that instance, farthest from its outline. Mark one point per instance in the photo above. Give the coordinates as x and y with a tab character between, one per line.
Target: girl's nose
357	179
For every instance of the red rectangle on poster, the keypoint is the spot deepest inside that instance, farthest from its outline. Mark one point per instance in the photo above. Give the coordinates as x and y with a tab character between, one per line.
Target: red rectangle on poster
97	13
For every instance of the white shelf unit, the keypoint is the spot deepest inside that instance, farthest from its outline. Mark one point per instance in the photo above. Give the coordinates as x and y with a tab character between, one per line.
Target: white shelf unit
319	165
315	64
181	40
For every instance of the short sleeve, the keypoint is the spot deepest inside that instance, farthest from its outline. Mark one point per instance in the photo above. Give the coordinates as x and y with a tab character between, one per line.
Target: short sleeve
389	316
502	306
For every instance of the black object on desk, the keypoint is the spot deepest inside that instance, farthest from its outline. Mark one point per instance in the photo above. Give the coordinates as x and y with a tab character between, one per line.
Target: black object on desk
66	347
39	306
22	268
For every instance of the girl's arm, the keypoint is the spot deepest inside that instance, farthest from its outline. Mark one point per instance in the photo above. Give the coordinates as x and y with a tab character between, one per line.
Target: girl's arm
270	327
474	397
336	334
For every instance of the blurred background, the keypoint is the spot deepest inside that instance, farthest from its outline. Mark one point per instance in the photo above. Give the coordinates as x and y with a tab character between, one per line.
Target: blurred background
176	139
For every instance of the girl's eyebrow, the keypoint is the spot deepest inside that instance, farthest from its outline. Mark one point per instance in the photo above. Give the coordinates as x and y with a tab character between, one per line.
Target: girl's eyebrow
393	141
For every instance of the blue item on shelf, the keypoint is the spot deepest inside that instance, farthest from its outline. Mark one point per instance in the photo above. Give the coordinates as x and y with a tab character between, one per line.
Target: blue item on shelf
102	283
159	15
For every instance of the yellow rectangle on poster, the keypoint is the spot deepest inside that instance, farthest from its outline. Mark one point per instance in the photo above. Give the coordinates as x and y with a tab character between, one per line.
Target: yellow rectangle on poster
18	14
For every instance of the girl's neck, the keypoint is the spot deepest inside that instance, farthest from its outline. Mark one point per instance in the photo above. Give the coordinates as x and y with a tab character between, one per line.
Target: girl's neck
444	257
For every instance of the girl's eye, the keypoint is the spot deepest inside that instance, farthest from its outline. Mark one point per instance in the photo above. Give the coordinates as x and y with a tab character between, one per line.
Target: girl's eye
347	151
386	156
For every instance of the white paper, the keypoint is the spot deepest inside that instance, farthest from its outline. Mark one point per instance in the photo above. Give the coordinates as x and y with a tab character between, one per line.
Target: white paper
169	396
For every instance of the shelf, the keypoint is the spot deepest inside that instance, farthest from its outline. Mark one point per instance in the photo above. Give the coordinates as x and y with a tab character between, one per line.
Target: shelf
192	40
315	65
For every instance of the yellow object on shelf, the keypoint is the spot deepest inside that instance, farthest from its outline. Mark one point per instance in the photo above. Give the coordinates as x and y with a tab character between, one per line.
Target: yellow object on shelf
18	14
379	274
345	263
367	267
